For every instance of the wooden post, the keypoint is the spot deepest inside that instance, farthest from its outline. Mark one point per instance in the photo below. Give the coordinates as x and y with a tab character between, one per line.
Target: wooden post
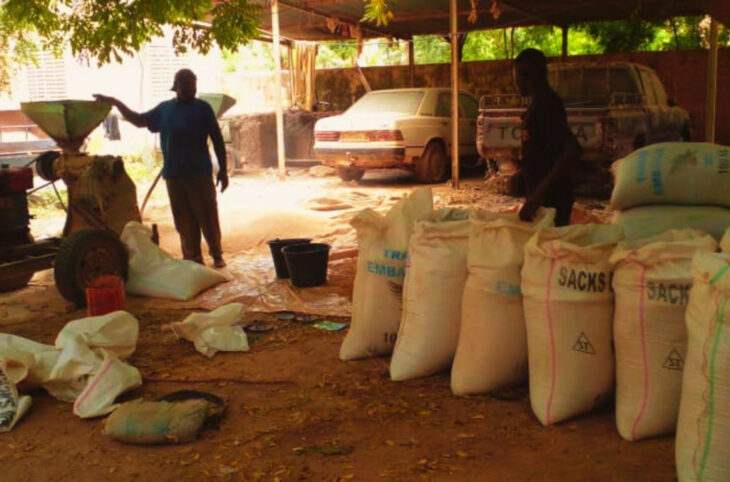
411	63
711	102
454	96
277	84
565	42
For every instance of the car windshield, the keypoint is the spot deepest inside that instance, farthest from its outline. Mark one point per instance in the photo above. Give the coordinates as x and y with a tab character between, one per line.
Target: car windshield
378	102
591	86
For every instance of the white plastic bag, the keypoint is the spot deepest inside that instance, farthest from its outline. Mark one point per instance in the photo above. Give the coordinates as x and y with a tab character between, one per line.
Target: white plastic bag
652	281
702	445
566	289
83	363
648	221
152	272
215	331
685	173
492	348
435	277
377	303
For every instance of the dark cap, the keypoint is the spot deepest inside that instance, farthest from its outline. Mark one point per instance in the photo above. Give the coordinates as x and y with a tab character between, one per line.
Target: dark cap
180	75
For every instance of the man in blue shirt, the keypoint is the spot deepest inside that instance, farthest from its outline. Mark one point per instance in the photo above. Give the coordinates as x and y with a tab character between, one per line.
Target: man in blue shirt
185	123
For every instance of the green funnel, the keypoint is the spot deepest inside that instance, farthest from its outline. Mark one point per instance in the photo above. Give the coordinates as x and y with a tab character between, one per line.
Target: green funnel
219	102
68	122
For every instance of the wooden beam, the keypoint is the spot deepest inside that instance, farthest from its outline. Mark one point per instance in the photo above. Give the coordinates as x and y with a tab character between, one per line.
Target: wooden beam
711	101
277	85
454	95
565	41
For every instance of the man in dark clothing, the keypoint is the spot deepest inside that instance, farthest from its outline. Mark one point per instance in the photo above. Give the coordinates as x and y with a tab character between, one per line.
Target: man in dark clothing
185	124
549	148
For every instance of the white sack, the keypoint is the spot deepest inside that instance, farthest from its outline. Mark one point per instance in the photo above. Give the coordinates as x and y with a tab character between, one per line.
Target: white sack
492	348
377	300
68	369
215	331
435	277
568	303
702	445
648	221
688	173
154	273
651	283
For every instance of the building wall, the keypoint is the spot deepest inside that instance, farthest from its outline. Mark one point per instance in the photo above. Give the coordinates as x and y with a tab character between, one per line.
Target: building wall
684	74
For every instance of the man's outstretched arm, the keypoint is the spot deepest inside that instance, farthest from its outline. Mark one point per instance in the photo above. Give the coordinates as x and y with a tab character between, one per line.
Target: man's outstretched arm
131	116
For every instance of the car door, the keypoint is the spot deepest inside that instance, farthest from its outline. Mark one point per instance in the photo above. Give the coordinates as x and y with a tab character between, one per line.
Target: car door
442	113
672	117
468	113
654	132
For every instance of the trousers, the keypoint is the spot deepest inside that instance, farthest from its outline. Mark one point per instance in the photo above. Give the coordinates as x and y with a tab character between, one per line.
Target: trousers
195	210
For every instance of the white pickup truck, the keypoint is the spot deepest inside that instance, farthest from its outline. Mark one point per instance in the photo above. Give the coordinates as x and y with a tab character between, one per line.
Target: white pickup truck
613	108
399	128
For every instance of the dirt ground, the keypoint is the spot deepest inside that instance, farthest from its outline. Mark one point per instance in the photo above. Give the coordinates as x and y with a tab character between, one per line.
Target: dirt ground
295	412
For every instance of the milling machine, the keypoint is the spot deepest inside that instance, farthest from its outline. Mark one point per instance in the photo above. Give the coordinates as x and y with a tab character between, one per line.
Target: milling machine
101	200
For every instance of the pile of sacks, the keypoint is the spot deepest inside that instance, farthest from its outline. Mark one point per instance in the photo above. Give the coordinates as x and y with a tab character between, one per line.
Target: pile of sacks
672	185
579	311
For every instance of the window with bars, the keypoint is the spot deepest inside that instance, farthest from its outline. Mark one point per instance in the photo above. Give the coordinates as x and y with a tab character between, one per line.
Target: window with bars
47	80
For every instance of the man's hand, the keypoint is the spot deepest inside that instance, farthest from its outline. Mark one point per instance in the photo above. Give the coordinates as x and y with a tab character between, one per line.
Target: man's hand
529	209
222	180
105	98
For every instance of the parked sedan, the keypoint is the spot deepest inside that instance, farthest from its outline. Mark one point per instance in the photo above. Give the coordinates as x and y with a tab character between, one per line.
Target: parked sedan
399	128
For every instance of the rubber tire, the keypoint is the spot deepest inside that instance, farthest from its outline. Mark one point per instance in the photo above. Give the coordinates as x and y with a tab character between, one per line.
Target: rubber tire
70	256
350	173
433	166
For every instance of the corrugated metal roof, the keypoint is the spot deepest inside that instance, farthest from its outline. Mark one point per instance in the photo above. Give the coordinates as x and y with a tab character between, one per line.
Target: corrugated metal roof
334	19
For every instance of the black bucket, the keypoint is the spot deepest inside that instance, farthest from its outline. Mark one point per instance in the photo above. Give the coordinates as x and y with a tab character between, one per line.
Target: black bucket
307	263
276	246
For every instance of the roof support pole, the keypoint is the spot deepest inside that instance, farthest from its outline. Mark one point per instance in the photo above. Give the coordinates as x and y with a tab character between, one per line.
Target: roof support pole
411	63
454	95
711	101
277	84
565	42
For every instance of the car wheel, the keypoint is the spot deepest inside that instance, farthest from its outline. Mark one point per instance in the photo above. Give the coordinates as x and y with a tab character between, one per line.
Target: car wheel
350	173
685	135
433	166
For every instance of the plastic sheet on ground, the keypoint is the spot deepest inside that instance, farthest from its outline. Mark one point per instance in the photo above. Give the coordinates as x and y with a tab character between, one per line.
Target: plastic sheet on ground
254	284
84	366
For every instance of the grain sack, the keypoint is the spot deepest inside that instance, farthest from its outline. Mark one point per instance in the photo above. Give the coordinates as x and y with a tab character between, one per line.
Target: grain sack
648	221
652	279
694	173
434	283
568	303
702	446
377	295
492	348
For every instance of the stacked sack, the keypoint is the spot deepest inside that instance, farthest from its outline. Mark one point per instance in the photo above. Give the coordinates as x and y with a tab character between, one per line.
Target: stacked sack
492	348
702	446
435	277
673	185
568	303
377	294
652	281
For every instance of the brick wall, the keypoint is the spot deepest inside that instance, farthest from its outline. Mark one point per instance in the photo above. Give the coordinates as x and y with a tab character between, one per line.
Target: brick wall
684	74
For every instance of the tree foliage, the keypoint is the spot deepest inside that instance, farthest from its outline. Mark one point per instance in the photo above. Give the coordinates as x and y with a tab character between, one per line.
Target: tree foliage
104	30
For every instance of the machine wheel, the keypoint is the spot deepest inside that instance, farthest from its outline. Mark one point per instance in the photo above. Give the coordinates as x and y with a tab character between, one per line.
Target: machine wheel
433	166
84	256
350	173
